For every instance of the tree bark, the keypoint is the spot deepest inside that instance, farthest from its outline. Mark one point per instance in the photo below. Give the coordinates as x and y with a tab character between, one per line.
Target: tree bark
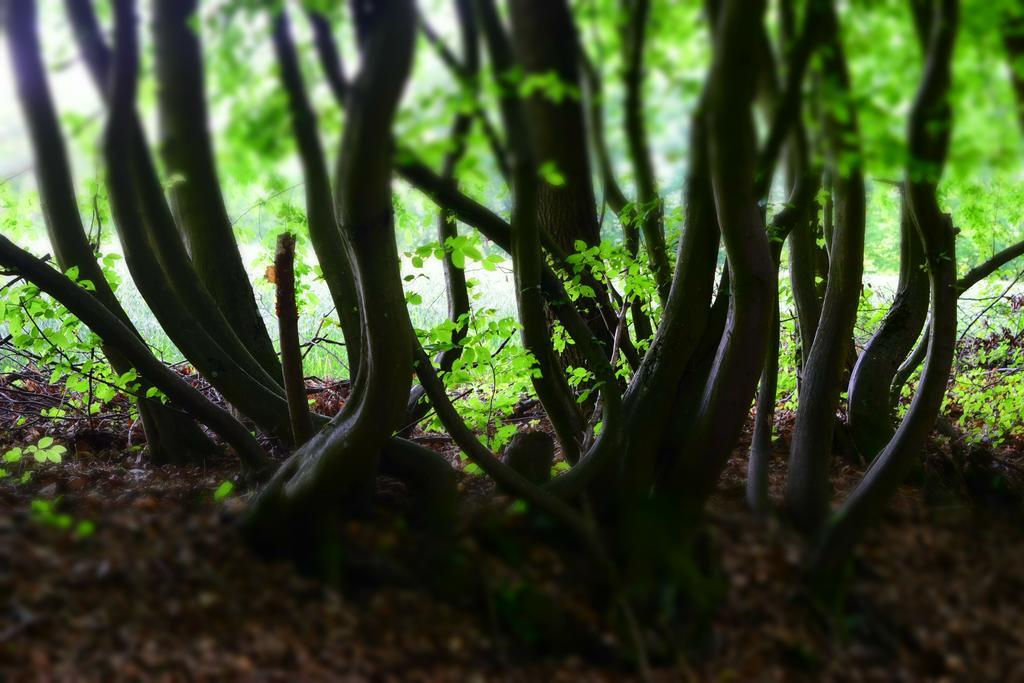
807	491
288	332
649	211
295	512
187	152
332	252
161	263
447	228
929	134
730	387
550	385
870	411
546	46
250	394
545	43
170	435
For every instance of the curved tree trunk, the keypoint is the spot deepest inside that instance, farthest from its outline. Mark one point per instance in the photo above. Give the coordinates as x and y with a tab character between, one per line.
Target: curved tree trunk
122	135
170	435
929	134
187	152
324	233
797	216
119	336
871	419
876	372
158	262
1013	41
614	198
798	213
447	227
294	513
730	389
651	400
649	211
807	492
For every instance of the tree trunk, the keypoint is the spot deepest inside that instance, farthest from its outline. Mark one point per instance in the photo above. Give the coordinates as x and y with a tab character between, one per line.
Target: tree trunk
546	45
649	211
187	152
807	492
250	394
871	418
332	252
929	134
551	386
545	41
170	435
161	267
447	227
295	512
730	388
614	198
288	332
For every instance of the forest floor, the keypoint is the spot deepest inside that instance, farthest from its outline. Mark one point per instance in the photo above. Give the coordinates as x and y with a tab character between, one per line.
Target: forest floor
111	570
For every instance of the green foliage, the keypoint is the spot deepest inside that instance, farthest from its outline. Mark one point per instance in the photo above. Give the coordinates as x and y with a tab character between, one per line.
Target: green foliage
46	512
222	491
44	332
611	264
491	375
44	450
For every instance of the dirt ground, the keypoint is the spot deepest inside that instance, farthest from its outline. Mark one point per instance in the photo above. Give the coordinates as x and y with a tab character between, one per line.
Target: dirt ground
163	589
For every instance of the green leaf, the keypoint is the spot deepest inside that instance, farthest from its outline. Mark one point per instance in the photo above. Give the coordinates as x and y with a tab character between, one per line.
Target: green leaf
223	491
551	175
104	392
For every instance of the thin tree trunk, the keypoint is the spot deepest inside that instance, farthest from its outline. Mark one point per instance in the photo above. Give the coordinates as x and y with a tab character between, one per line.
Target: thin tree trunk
332	252
807	491
165	254
649	211
929	134
796	214
187	152
613	195
787	122
764	416
170	435
871	417
730	388
294	514
247	393
447	228
288	333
